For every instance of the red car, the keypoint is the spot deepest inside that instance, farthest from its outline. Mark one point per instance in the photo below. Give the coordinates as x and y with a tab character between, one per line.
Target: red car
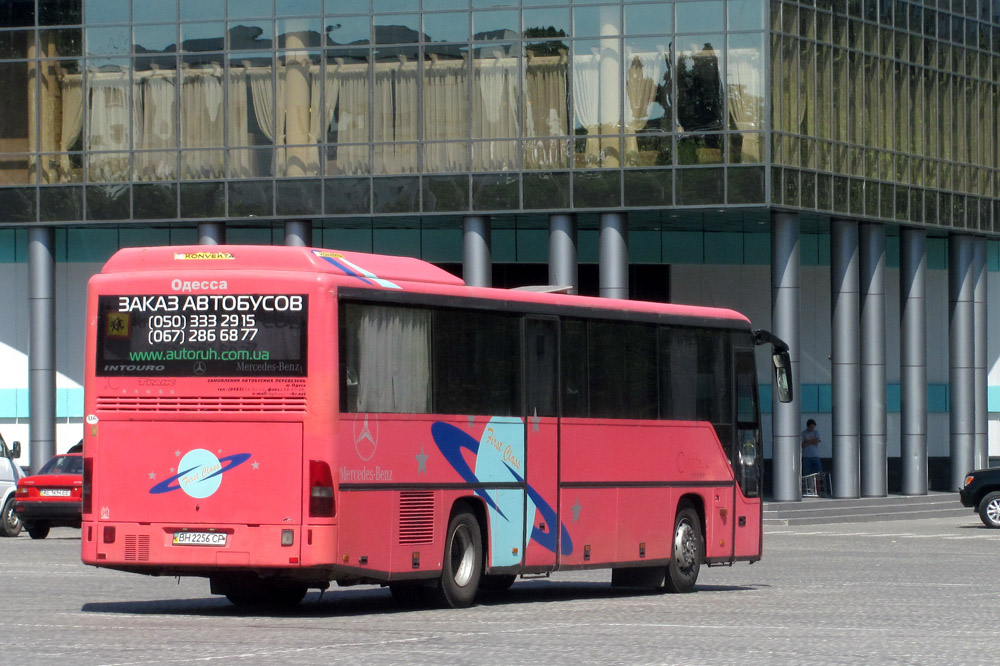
51	498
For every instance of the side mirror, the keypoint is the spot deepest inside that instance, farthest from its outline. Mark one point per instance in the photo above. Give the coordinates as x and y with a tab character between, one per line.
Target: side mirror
783	375
16	450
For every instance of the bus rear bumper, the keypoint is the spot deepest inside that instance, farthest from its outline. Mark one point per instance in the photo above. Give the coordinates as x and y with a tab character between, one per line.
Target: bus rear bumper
167	549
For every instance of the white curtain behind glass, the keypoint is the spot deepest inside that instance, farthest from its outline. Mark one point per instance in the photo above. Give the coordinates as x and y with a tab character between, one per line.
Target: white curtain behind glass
394	361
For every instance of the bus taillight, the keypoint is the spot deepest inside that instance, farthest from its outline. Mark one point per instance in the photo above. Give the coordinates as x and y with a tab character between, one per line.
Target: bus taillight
88	480
320	490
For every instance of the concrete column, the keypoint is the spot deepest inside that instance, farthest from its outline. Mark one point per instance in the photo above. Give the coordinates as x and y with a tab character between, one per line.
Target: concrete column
845	357
42	345
874	482
614	255
913	359
786	452
477	260
563	264
982	446
211	233
298	233
961	356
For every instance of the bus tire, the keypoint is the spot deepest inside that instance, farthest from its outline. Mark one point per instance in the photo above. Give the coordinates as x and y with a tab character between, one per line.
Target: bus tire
687	553
38	530
10	522
463	561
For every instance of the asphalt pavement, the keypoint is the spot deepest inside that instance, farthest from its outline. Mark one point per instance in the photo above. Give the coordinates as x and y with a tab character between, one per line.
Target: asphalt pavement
920	591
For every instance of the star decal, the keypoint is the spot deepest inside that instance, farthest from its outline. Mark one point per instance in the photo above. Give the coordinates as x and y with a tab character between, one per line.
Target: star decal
535	421
177	453
152	475
421	461
256	465
576	510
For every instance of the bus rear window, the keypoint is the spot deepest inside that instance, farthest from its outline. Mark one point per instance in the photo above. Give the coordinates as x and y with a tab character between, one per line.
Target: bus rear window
213	335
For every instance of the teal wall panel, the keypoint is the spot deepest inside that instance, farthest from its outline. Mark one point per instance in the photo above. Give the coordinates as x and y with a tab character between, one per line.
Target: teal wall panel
757	249
683	247
724	248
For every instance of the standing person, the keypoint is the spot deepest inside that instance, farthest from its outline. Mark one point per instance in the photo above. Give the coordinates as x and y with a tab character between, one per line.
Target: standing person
811	464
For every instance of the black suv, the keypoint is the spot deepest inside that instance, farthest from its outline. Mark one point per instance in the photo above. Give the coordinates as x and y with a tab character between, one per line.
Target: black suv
982	492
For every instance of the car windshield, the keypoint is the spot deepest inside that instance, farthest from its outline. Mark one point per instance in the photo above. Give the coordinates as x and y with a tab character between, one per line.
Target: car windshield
63	465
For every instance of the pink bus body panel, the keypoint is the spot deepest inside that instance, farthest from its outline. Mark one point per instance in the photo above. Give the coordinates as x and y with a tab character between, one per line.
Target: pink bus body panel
554	493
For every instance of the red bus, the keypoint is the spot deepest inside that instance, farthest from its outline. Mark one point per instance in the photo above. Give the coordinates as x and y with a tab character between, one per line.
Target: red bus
278	418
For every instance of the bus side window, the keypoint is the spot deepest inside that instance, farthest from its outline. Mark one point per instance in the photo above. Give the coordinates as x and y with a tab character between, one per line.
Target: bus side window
575	395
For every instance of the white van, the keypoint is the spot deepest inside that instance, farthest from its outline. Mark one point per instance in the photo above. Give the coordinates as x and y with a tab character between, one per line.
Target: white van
10	472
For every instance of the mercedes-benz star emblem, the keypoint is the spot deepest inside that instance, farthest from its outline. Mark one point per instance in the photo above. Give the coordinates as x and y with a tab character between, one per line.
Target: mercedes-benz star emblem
199	368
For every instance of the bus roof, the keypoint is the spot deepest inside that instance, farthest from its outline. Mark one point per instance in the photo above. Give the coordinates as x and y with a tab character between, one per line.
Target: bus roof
375	271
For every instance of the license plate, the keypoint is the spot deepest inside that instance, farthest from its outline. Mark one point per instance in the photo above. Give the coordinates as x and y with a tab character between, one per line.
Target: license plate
54	492
200	538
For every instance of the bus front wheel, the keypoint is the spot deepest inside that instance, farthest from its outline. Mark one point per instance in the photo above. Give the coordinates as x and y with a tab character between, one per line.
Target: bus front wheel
688	551
463	561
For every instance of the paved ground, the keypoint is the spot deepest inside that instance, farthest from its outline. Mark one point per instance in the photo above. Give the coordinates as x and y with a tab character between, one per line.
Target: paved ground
908	592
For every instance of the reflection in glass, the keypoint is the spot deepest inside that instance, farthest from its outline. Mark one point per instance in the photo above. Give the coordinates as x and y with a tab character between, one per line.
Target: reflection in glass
699	149
106	11
59	12
203	36
108	41
699	84
745	93
445	107
155	38
657	18
154	201
61	204
447	27
344	30
496	25
153	11
396	96
203	9
347	113
108	122
299	118
647	94
597	73
553	22
700	17
397	29
495	100
244	35
546	105
202	120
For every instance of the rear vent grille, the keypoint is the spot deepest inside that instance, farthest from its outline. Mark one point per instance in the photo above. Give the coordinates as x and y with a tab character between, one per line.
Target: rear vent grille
416	517
136	547
178	404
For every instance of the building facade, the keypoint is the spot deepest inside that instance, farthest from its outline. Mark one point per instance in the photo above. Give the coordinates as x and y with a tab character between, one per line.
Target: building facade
829	167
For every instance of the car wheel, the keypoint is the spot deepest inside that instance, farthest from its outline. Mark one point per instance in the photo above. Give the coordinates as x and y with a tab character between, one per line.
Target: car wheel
38	530
989	510
10	522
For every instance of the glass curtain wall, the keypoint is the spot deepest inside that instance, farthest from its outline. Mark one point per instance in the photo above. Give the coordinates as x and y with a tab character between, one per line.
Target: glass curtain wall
215	109
888	109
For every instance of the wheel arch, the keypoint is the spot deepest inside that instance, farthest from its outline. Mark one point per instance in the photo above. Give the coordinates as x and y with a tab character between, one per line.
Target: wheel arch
696	502
478	509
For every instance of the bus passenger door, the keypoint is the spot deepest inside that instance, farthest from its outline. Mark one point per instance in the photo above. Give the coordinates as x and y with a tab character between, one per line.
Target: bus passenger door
541	372
747	459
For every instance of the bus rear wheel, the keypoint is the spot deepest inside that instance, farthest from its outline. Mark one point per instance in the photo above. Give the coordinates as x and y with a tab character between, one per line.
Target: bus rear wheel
688	551
463	561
